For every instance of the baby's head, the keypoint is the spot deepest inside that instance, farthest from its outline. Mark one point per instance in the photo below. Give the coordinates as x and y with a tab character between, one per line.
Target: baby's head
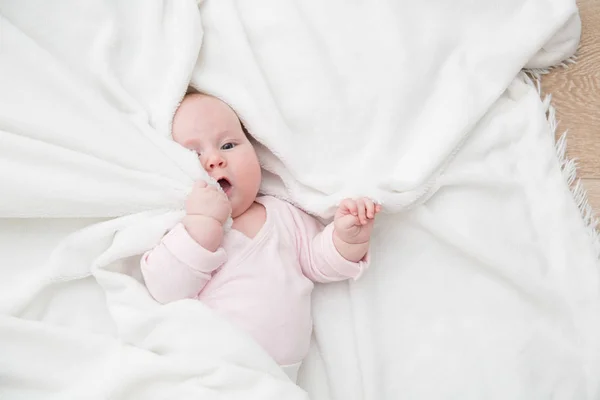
211	128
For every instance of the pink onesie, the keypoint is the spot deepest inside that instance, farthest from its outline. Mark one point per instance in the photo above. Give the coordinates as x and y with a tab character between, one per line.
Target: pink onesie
262	285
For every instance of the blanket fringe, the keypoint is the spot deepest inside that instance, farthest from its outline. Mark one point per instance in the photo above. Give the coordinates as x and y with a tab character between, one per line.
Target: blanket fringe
568	166
537	73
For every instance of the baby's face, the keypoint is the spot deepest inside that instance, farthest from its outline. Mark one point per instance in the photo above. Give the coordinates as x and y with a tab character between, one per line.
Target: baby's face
209	127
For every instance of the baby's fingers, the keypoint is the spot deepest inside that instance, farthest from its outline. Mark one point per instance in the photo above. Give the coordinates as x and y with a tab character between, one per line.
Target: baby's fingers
348	206
362	211
370	208
200	184
346	222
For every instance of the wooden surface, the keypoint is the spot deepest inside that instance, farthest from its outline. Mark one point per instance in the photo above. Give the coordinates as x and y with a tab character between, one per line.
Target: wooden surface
576	96
593	189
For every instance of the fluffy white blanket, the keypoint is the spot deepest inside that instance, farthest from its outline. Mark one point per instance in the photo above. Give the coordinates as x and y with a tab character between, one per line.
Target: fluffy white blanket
484	281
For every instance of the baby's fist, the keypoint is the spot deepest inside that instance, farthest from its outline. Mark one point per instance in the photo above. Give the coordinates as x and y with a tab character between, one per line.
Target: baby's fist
354	220
207	209
208	201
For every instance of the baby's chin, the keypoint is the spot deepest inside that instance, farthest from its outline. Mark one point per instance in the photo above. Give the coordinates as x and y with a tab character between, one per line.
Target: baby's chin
237	207
240	205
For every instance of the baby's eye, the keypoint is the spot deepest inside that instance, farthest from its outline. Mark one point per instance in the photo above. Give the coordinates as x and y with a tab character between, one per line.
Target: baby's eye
227	146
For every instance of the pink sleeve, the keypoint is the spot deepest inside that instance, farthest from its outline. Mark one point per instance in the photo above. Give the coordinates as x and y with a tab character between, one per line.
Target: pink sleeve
179	268
319	259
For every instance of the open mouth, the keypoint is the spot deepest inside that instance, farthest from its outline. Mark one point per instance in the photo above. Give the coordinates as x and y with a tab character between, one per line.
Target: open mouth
225	185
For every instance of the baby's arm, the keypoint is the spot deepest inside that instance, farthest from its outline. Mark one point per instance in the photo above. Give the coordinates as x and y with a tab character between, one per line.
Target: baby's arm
179	268
340	250
181	265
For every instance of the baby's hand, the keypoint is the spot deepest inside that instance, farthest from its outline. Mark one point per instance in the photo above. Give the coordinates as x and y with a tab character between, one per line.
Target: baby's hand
208	201
206	209
354	220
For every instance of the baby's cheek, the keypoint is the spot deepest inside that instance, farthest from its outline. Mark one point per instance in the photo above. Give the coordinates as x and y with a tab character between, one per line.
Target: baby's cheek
251	170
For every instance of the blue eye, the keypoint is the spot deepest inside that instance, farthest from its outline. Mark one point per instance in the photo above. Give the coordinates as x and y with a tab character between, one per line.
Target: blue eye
227	146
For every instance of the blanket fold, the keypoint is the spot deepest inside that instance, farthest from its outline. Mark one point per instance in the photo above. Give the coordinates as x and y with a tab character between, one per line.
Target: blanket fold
364	90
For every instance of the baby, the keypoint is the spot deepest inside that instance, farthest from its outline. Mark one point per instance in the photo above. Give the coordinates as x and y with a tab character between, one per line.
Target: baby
260	273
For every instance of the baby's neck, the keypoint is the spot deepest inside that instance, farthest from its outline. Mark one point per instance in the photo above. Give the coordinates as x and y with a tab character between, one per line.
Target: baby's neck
251	221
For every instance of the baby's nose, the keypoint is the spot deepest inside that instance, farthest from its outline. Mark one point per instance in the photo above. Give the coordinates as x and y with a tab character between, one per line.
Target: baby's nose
214	161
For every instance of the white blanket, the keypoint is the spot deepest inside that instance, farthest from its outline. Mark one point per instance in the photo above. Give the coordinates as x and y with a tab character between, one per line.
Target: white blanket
486	290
